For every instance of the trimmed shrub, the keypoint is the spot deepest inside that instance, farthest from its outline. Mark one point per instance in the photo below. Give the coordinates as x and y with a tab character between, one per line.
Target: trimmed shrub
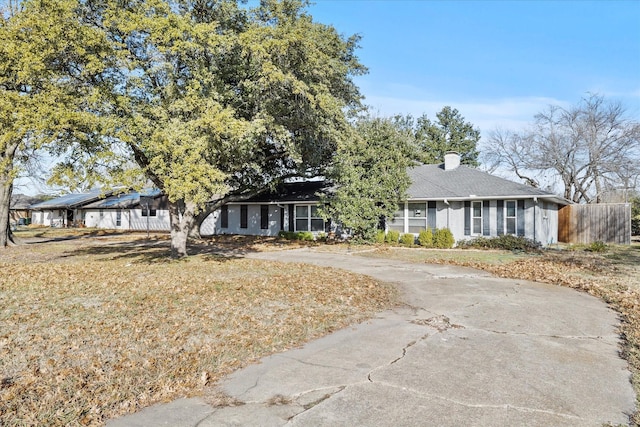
300	235
289	235
392	236
408	239
380	236
443	238
425	238
505	242
305	236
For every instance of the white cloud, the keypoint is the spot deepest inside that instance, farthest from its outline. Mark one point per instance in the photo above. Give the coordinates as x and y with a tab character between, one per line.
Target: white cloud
487	115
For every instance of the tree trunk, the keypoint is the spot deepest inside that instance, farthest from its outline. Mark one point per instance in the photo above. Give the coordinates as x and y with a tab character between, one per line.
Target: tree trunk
6	187
182	222
7	154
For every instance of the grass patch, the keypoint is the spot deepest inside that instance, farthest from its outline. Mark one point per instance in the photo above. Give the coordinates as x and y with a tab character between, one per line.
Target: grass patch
612	275
92	328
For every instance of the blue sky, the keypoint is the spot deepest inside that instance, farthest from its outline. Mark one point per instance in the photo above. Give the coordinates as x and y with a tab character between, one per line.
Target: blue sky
497	62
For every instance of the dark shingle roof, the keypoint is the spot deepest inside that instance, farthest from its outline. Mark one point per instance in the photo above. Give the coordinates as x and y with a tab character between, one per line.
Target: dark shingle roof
70	201
433	182
22	202
306	191
123	201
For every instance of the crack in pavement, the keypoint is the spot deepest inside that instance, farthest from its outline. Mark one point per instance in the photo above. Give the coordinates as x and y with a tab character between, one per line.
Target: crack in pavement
479	405
306	407
404	353
529	334
318	365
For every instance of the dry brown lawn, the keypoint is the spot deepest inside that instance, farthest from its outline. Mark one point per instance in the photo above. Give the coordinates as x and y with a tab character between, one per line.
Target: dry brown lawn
94	325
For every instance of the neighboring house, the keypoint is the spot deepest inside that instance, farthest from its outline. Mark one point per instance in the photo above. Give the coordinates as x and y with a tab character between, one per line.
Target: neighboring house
123	211
467	201
293	207
473	203
20	208
147	210
64	211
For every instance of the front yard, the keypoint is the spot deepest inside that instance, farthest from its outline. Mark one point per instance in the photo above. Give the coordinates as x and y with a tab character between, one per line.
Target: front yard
95	326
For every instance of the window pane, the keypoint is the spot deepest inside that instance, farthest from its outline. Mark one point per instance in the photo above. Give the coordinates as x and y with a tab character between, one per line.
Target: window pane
301	225
511	209
417	225
317	225
302	212
511	226
477	225
417	210
396	224
477	209
314	212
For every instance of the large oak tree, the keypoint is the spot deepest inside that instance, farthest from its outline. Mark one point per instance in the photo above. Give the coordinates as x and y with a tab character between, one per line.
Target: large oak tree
216	101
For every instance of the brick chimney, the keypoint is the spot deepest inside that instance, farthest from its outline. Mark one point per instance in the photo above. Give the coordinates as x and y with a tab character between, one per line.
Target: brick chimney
451	160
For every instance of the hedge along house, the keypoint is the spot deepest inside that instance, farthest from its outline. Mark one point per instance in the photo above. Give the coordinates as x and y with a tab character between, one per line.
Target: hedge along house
292	207
473	203
146	210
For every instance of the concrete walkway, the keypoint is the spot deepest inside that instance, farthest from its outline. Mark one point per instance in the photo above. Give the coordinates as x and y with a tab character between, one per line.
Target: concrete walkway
465	349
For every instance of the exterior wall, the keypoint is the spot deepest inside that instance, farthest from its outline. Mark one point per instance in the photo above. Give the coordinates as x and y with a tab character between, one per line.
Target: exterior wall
49	218
213	223
131	219
279	218
540	220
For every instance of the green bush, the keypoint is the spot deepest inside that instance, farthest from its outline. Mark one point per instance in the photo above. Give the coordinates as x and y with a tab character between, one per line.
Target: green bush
305	236
505	242
392	236
425	238
289	235
380	236
408	239
300	235
443	238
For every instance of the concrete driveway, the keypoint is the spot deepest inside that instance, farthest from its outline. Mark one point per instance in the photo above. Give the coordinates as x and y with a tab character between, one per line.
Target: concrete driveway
465	349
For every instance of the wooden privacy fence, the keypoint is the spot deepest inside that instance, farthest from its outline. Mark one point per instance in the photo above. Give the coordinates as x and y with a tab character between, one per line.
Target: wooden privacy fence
585	224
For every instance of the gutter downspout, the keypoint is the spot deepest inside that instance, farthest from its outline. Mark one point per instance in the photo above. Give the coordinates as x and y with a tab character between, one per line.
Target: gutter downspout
446	202
535	206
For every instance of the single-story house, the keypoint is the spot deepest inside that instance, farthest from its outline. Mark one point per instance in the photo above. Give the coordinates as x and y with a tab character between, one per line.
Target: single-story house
467	201
124	211
20	208
474	203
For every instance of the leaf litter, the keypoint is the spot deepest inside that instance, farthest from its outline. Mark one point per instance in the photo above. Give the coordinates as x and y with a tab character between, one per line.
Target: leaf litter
91	329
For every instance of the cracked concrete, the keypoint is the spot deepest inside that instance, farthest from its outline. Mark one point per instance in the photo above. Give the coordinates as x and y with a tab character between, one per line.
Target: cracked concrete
465	348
